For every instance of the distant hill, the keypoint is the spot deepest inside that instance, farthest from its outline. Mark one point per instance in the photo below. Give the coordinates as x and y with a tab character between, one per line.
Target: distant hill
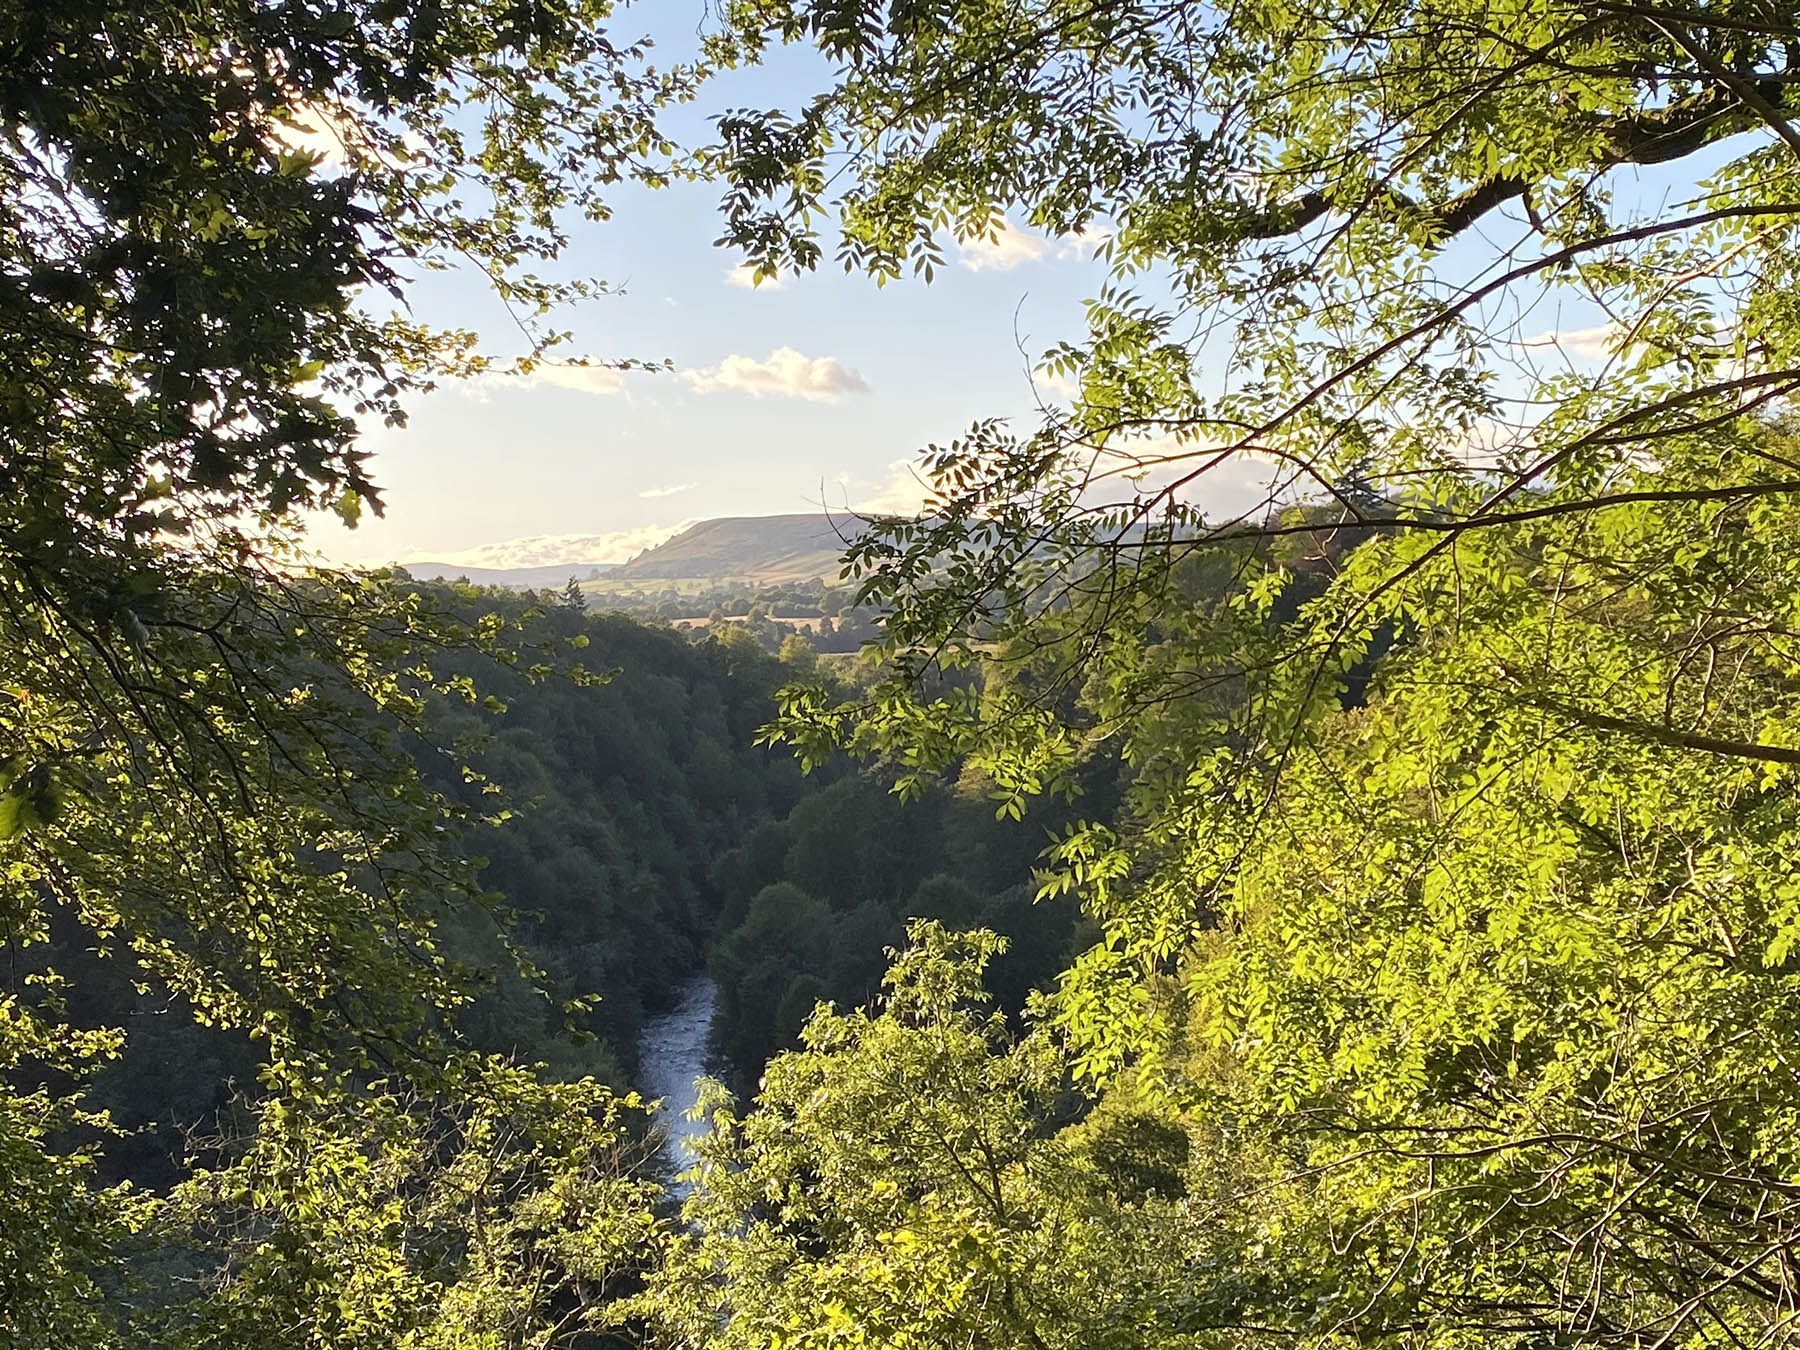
511	578
748	548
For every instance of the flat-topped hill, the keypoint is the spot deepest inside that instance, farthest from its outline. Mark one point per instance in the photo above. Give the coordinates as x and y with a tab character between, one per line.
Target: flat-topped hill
748	548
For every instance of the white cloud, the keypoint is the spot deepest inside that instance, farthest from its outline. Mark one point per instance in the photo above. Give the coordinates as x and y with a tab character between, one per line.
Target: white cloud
903	494
743	276
555	550
1589	344
1238	485
786	374
1055	384
1006	248
671	490
1242	484
1083	242
1486	443
584	379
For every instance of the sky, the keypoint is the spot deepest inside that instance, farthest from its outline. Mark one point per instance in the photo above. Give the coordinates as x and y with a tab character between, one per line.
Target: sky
812	393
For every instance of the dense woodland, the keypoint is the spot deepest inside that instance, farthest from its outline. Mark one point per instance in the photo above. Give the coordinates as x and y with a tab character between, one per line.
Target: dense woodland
654	837
1367	920
643	836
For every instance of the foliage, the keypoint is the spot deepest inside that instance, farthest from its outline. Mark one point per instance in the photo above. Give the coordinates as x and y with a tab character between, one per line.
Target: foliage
810	904
891	1186
834	624
626	796
207	763
1449	903
598	898
60	1238
509	1219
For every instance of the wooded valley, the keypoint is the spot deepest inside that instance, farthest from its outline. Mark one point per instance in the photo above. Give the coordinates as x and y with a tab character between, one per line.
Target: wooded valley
1365	918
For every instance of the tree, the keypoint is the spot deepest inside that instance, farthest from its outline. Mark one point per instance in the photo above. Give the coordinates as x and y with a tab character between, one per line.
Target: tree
798	657
207	745
783	939
1318	230
1451	889
505	1212
898	1184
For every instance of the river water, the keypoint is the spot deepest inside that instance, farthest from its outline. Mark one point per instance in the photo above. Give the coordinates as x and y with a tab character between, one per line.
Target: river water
671	1055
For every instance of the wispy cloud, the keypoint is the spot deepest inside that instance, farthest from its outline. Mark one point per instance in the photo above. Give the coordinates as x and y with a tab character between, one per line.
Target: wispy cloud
1084	242
1240	485
905	493
584	379
671	490
743	276
1055	384
1485	444
786	374
1589	344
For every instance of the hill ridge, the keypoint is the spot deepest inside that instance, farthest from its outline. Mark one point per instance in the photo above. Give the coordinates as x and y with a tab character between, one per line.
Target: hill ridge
793	546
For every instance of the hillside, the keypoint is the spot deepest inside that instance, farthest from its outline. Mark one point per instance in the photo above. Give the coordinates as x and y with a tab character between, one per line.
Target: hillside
748	548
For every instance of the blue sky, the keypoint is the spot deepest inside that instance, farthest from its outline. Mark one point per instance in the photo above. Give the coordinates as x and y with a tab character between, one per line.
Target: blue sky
813	393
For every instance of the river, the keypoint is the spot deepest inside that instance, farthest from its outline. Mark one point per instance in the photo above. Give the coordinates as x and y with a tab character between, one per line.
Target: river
671	1055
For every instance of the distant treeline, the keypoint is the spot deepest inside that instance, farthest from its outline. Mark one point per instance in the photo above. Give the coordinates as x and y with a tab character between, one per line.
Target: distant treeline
831	619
